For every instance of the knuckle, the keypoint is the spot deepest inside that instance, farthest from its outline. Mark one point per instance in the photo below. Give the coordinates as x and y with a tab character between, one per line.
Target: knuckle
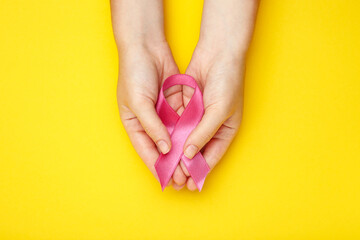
179	178
150	131
136	103
203	138
191	185
223	107
153	130
224	110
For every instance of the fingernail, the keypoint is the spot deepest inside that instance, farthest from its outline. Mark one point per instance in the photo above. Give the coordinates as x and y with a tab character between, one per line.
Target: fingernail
190	151
164	147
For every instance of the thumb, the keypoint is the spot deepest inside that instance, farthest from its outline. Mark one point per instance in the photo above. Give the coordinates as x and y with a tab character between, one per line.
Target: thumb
205	130
153	126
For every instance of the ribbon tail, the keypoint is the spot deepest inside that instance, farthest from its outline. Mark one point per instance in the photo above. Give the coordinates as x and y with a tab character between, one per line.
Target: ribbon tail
198	169
165	168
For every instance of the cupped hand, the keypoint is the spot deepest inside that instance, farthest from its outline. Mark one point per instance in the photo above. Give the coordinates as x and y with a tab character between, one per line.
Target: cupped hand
142	69
219	74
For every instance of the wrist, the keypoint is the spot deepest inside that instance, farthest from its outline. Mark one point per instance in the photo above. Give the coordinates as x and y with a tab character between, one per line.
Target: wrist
137	22
228	25
140	40
222	48
228	47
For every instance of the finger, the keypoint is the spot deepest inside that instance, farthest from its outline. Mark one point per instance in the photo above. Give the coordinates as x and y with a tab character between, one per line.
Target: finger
143	144
215	150
205	130
218	145
179	176
186	172
178	187
190	184
170	183
187	93
150	121
173	96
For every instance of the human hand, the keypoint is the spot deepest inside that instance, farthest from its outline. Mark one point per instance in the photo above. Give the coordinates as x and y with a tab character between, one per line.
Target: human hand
142	70
220	76
145	60
218	65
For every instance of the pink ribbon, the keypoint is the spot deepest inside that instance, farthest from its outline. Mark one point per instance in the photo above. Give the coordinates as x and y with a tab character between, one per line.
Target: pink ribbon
180	128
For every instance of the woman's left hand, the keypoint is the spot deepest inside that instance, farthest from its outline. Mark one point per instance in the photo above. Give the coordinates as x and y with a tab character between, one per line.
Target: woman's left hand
220	76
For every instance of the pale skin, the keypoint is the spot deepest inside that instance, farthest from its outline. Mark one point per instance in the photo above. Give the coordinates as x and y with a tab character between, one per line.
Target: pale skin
217	64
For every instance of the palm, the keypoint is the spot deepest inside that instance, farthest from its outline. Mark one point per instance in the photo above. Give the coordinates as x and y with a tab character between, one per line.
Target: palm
221	83
140	81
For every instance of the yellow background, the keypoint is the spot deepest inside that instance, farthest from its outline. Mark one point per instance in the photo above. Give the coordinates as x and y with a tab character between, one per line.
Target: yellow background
68	170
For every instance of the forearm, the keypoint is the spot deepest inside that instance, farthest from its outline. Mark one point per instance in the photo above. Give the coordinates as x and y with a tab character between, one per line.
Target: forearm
228	24
137	21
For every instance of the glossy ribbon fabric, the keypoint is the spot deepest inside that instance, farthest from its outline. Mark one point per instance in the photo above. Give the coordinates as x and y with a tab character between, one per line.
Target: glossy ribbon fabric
180	128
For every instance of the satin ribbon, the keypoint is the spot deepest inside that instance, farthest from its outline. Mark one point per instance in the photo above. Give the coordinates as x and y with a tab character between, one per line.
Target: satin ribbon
180	128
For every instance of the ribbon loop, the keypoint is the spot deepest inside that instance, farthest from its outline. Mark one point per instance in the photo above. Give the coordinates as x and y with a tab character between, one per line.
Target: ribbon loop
180	128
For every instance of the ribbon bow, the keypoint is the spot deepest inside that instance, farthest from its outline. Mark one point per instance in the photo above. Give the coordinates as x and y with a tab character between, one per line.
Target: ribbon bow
180	128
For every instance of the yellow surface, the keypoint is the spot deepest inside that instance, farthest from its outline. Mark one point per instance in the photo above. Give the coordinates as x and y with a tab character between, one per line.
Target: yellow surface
68	170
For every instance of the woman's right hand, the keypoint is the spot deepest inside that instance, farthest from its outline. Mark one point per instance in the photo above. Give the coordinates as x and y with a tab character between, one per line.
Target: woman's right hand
142	70
145	61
